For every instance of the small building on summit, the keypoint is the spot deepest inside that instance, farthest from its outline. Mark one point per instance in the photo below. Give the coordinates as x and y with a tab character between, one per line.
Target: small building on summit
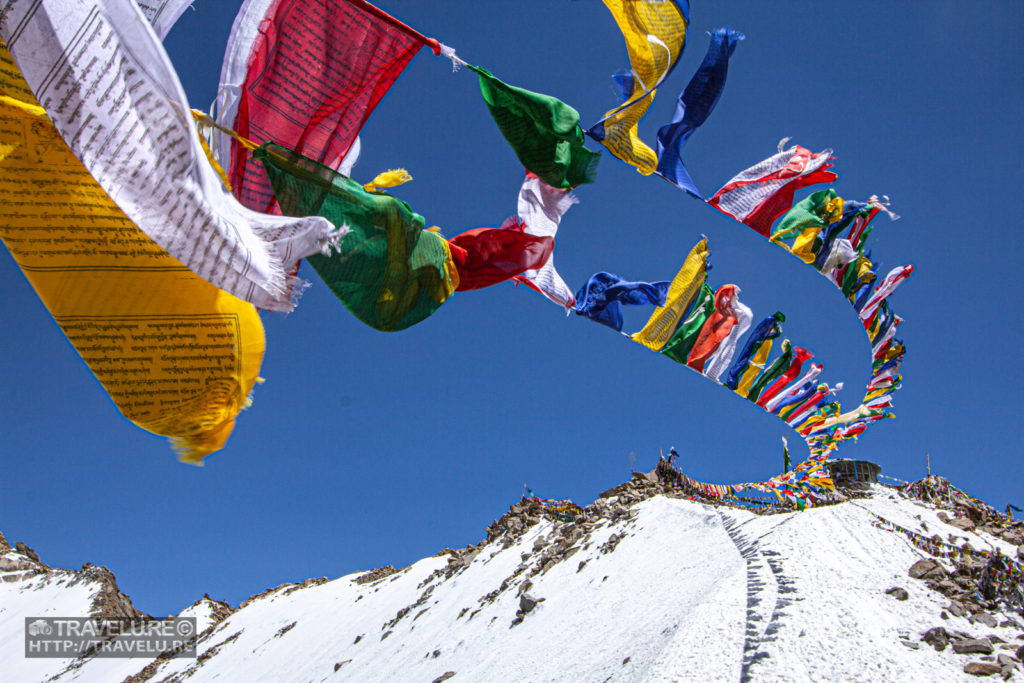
851	471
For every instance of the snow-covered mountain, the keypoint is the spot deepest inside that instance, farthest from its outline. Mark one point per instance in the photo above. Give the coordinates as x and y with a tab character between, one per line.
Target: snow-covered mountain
648	586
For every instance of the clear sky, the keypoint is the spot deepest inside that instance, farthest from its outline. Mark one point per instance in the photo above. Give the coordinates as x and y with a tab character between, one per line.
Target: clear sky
365	449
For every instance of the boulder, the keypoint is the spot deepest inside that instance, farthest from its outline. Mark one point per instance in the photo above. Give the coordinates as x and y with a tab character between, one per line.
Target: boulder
898	593
982	669
936	637
962	523
972	646
927	569
527	602
986	619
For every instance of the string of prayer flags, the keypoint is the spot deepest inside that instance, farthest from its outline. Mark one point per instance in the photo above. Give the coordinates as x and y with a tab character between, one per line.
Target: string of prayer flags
684	288
655	34
136	137
601	298
761	193
177	356
541	208
695	104
544	132
388	271
314	71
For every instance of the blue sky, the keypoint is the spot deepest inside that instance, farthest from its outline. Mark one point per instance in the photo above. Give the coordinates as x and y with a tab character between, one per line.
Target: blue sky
364	449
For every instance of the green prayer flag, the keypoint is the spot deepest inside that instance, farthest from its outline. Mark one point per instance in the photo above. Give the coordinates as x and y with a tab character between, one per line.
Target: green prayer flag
679	346
388	271
544	132
806	214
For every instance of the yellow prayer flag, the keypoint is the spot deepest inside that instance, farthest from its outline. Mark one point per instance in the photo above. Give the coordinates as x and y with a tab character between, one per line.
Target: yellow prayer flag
176	355
655	33
687	282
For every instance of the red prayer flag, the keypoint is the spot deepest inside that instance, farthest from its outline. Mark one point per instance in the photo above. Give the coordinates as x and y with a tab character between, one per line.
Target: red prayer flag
487	256
317	70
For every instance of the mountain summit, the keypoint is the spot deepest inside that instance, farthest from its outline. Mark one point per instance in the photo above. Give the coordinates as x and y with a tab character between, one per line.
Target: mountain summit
646	585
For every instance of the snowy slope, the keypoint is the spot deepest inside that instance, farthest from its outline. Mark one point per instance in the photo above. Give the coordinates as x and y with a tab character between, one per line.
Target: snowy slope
666	590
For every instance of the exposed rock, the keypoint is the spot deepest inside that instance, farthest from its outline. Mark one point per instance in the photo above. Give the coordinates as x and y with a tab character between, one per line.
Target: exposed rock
110	602
936	637
1020	553
943	517
443	677
527	602
23	549
1006	660
927	569
971	646
898	593
956	609
1013	537
986	619
962	523
1020	653
375	574
982	669
15	564
4	545
341	664
911	645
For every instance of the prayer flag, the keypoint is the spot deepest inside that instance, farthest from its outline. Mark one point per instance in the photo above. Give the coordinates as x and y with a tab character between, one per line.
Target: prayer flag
136	137
488	256
603	295
544	132
761	193
655	33
687	282
388	271
314	71
695	104
177	356
541	208
716	328
720	360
